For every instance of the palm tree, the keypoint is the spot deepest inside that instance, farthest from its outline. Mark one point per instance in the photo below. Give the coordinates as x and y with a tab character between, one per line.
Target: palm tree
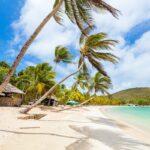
101	83
78	11
35	81
62	54
95	49
80	80
84	81
92	49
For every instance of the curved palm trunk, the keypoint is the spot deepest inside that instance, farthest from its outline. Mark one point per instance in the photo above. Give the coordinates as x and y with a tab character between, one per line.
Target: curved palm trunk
50	91
27	45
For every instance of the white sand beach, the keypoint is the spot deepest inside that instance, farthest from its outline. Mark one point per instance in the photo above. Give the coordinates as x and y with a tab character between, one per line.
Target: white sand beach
86	128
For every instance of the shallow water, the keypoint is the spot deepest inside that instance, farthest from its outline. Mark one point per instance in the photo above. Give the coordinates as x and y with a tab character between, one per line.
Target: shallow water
137	116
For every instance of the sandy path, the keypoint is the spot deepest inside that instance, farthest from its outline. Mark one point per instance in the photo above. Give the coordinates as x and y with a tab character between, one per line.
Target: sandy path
80	129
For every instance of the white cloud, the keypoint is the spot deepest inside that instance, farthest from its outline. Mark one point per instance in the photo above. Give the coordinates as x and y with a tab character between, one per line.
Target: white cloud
52	35
132	13
132	69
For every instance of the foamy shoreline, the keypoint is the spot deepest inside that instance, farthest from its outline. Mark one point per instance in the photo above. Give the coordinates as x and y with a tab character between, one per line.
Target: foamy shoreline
85	128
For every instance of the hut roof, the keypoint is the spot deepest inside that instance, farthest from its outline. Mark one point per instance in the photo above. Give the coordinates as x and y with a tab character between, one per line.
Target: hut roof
12	89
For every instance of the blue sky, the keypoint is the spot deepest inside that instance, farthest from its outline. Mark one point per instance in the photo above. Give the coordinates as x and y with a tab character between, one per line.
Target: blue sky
137	31
19	19
8	14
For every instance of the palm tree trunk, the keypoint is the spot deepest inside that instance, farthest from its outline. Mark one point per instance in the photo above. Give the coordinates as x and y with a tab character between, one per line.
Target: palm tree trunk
27	45
50	91
55	67
80	105
88	93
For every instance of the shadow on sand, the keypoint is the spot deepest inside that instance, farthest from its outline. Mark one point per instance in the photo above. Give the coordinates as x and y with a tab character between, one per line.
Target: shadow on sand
114	140
33	133
108	122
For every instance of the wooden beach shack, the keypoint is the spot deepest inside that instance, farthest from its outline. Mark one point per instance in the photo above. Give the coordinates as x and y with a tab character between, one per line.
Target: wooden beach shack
50	101
12	96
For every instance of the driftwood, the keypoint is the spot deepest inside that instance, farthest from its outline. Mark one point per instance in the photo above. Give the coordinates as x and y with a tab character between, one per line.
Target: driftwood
76	106
33	116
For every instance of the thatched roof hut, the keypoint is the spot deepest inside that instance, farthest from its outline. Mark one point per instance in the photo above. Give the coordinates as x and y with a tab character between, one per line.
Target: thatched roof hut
10	89
11	96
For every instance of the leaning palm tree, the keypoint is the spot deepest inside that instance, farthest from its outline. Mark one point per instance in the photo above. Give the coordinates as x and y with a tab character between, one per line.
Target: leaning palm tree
101	83
62	54
78	11
92	49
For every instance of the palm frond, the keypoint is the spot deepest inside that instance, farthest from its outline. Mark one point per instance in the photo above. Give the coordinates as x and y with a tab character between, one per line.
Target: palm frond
100	41
104	6
80	12
101	83
97	65
87	31
58	14
105	56
62	54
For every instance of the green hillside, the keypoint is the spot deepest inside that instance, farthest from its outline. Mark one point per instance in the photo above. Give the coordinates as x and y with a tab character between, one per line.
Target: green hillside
139	96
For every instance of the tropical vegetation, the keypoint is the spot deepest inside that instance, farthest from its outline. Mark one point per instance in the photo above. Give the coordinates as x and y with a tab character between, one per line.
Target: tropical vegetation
36	80
4	68
93	48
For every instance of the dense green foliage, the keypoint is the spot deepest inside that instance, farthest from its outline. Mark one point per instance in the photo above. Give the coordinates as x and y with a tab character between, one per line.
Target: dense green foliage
35	81
105	100
139	96
4	68
98	100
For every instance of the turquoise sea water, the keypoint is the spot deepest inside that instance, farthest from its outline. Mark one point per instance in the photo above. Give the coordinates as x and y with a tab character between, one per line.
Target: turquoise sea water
137	116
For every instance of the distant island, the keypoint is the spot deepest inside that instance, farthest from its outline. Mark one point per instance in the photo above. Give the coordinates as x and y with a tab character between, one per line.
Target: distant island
137	96
140	96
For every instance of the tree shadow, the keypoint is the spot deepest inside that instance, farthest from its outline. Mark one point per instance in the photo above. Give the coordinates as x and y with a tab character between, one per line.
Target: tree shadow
41	133
106	121
113	139
72	121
